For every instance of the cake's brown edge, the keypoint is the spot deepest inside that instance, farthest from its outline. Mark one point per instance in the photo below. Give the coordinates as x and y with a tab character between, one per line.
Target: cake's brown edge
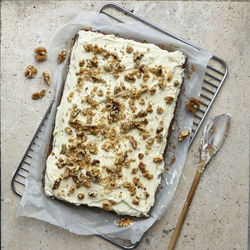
170	126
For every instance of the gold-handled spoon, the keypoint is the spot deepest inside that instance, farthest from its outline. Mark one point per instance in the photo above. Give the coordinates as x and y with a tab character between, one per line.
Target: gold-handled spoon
212	139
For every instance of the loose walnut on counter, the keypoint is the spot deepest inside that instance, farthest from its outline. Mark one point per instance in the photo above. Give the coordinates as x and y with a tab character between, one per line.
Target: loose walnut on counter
46	77
40	54
193	105
183	135
38	95
30	71
61	56
124	222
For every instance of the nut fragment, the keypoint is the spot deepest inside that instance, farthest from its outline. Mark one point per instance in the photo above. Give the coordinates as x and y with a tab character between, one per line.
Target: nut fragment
40	54
135	202
183	135
68	130
30	71
80	196
46	77
61	56
193	105
38	95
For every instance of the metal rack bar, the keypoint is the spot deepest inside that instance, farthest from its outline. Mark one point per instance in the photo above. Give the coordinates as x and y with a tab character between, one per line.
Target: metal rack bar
214	82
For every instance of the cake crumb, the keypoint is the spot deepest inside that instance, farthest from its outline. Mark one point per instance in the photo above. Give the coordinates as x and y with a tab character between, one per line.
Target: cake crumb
38	95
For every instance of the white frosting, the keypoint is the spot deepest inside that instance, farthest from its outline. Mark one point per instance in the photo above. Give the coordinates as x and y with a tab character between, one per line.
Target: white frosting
153	56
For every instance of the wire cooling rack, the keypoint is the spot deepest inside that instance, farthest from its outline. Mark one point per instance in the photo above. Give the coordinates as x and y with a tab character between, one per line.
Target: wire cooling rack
215	76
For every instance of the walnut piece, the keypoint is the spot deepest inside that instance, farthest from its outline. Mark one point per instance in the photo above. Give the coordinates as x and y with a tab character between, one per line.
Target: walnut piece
193	105
124	222
38	95
183	135
61	56
30	71
92	194
40	54
46	77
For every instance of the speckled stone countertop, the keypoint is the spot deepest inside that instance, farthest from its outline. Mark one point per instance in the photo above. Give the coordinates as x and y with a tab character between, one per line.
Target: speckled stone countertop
218	218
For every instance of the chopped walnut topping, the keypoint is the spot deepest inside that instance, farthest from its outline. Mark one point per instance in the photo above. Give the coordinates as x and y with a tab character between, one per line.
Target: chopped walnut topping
100	93
133	142
108	67
140	156
193	105
61	56
149	108
156	71
159	110
137	57
135	202
106	205
134	170
159	138
46	77
129	78
152	91
169	76
57	183
30	71
81	63
169	99
93	62
150	141
146	194
38	95
92	147
161	84
80	196
68	130
124	222
92	194
141	113
88	47
142	101
40	54
159	129
129	49
176	83
136	181
183	135
95	162
86	184
157	160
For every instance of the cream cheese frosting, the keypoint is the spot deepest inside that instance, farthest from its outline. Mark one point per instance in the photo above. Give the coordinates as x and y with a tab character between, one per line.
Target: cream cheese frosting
112	123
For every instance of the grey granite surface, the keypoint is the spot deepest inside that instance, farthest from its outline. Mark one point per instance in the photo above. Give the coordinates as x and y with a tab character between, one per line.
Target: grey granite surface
218	217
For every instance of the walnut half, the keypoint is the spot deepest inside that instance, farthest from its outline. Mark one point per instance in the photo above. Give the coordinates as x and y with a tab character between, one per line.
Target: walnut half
40	54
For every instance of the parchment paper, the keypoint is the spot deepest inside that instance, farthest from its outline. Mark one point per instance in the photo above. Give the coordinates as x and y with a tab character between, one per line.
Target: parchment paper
83	220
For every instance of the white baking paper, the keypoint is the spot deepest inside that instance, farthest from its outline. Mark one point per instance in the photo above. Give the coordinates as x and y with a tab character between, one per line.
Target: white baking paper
83	220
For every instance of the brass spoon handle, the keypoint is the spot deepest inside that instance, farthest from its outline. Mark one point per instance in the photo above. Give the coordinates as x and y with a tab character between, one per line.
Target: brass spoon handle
186	207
